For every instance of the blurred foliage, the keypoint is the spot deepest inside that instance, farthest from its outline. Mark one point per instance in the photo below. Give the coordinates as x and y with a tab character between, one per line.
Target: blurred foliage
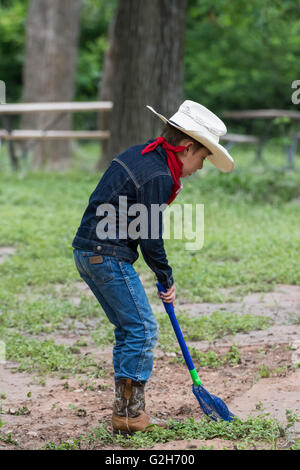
273	186
96	16
12	34
238	55
95	19
242	55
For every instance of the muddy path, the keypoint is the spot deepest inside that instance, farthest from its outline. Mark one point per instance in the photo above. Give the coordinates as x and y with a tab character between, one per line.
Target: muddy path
62	409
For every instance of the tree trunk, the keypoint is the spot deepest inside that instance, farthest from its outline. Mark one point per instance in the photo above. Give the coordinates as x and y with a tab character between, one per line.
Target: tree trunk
105	94
147	69
49	72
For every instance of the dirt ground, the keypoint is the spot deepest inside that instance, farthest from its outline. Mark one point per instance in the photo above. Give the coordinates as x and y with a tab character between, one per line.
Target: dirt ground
169	392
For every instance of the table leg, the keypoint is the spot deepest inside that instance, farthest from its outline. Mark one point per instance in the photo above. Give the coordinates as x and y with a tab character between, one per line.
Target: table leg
259	151
8	124
291	151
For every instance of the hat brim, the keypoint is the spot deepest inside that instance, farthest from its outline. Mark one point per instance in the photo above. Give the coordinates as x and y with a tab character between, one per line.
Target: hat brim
219	157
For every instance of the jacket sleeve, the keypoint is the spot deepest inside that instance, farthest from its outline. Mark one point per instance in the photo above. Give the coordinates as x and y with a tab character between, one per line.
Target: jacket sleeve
154	195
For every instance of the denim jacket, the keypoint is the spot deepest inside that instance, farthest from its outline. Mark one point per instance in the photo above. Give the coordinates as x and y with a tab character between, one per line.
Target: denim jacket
143	179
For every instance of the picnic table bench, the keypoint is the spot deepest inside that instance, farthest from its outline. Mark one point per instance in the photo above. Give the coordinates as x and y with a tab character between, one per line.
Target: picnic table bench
22	135
268	115
9	111
239	139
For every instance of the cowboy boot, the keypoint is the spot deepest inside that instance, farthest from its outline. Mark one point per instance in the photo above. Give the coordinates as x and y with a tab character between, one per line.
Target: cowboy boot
129	408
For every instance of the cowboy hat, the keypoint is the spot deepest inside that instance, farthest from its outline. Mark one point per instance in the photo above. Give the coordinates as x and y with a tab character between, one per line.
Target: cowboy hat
204	126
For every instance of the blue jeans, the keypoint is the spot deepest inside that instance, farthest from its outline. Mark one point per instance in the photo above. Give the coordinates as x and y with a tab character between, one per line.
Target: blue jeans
119	291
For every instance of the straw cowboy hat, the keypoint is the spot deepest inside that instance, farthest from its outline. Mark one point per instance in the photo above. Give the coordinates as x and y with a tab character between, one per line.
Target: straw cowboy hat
204	126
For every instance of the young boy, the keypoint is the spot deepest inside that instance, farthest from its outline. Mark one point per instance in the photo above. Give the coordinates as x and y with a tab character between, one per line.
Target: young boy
105	246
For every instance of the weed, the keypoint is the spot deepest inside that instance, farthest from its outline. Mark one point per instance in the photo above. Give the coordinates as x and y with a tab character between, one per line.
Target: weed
2	423
260	431
205	448
295	445
73	444
93	386
78	411
99	434
80	343
288	431
7	438
20	411
41	381
234	355
264	371
259	406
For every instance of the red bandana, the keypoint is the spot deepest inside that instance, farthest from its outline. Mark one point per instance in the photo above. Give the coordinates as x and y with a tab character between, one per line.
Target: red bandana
174	162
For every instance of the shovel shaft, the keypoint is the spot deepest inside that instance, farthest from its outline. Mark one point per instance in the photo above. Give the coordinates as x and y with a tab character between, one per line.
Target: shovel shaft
187	357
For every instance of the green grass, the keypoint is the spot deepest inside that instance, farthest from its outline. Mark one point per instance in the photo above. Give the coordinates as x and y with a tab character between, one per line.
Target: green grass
210	359
250	433
46	356
38	313
252	241
249	246
216	325
206	327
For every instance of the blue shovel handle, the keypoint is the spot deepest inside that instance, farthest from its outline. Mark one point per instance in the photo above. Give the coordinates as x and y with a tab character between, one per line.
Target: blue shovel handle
187	357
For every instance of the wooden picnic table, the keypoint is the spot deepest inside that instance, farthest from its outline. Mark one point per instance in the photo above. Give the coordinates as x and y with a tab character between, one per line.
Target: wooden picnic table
21	108
9	111
269	115
261	114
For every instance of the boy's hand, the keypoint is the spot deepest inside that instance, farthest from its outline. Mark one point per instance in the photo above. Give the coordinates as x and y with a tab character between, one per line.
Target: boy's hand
169	296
